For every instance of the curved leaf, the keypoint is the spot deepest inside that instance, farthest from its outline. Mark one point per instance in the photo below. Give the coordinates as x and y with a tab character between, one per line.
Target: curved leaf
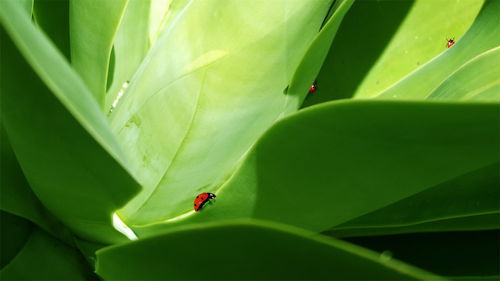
365	32
93	26
470	195
225	252
130	46
465	83
14	231
483	36
420	38
46	258
315	56
341	160
18	198
204	95
60	138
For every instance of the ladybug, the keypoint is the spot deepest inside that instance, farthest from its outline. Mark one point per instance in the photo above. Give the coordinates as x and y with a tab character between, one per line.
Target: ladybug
451	42
201	199
313	88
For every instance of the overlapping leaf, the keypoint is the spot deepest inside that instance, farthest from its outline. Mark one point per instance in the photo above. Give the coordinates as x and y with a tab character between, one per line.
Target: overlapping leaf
93	25
482	37
235	251
46	258
203	96
62	141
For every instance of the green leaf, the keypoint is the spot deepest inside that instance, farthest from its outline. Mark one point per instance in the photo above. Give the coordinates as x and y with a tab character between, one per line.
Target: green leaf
483	36
46	258
53	17
89	249
465	83
341	160
365	32
130	45
200	99
14	231
93	26
160	11
380	42
27	6
18	198
61	140
421	37
248	251
469	196
315	56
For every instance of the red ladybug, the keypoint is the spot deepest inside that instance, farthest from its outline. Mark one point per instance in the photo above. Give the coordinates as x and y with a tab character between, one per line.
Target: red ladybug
451	42
201	199
313	88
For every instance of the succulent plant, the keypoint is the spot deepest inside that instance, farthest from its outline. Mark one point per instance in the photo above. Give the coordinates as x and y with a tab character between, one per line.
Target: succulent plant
116	114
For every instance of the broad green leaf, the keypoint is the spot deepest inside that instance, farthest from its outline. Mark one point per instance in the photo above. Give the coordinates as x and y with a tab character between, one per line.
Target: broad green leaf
130	46
331	163
18	198
465	83
53	17
465	253
203	96
62	142
483	36
93	26
46	258
472	194
14	231
420	38
27	6
248	251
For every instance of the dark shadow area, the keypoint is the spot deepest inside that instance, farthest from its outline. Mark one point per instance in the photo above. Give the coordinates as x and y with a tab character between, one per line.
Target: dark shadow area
476	190
362	37
464	253
53	17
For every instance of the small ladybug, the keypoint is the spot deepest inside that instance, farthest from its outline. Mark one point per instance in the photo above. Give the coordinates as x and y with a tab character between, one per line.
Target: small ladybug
450	43
313	88
201	199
